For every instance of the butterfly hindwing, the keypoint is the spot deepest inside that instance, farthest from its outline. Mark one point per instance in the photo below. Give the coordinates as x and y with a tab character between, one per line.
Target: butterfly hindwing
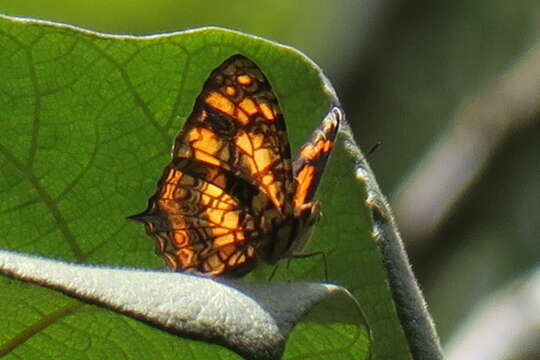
198	225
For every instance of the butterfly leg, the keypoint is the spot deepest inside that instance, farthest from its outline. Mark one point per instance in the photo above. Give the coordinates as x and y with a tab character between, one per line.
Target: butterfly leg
311	254
274	271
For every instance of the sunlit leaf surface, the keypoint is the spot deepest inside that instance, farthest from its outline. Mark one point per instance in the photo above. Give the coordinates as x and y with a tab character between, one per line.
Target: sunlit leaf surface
87	122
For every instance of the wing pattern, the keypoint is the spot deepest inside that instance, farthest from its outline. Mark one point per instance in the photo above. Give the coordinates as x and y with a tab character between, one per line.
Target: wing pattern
229	195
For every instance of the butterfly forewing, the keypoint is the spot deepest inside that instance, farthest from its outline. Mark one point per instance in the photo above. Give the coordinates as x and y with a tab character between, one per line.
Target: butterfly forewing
237	125
312	158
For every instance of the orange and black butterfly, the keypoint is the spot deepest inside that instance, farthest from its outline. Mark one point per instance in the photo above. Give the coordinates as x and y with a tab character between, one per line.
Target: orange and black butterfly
231	194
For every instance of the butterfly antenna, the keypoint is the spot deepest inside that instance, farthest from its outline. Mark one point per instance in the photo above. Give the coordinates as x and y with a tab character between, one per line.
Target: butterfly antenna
374	147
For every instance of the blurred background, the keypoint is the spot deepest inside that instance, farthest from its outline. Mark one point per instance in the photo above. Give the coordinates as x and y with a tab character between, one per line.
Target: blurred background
452	91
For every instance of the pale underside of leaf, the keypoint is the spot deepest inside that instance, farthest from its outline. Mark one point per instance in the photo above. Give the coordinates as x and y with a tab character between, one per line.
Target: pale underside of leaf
252	319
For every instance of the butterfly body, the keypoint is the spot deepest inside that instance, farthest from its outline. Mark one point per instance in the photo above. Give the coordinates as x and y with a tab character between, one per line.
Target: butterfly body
231	194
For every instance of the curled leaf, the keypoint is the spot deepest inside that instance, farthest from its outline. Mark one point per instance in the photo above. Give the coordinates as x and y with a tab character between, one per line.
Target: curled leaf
252	319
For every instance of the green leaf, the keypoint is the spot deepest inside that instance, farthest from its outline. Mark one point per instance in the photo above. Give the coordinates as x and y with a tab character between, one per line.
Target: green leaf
87	122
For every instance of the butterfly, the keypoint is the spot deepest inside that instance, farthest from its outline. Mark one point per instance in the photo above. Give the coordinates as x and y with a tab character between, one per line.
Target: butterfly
231	195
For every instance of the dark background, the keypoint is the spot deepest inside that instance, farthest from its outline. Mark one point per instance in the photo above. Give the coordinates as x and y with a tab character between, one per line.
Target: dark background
408	73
